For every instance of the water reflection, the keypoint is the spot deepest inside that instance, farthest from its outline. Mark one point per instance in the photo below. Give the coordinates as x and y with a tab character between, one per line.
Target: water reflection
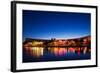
38	52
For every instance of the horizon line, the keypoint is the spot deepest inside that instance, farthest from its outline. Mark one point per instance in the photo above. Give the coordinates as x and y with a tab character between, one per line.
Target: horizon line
62	38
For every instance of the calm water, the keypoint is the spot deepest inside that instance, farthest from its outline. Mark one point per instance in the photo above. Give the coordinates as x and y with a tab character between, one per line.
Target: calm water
40	54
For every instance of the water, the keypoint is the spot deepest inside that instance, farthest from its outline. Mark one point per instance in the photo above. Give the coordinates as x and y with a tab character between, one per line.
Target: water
42	54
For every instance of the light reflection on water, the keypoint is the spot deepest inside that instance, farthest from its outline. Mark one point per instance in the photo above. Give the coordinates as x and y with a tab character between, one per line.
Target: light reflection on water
38	52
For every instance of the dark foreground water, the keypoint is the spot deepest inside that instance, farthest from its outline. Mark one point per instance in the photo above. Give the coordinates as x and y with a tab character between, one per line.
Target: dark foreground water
41	54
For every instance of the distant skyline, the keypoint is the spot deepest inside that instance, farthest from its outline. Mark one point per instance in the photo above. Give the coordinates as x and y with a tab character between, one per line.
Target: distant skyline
59	25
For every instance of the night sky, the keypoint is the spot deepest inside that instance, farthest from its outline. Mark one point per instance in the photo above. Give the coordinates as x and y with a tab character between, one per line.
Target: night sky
59	25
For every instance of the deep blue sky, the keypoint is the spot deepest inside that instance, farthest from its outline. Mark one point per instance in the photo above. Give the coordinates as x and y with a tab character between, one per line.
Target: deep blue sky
59	25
